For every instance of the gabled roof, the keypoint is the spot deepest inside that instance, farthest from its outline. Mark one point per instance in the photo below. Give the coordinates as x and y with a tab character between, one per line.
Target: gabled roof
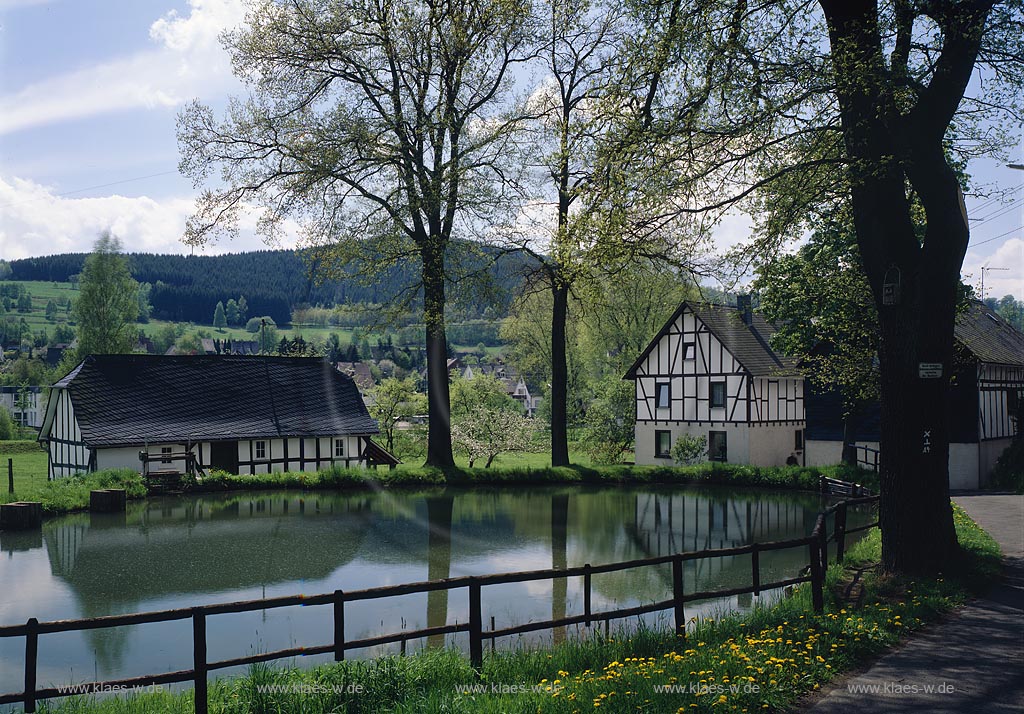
125	400
989	337
749	344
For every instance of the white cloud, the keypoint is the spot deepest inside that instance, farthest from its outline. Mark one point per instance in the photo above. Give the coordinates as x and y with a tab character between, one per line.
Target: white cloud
7	5
38	222
1009	255
187	62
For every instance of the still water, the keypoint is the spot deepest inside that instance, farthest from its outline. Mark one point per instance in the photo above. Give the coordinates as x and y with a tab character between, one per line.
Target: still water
184	551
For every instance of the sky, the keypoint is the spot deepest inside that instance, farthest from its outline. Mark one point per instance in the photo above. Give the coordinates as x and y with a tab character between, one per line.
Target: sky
89	95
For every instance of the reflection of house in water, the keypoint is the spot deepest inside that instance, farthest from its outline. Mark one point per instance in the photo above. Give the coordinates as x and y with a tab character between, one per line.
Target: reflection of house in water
201	546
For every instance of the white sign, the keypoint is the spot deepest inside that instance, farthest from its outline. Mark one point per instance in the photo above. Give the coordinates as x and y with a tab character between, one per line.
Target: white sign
929	370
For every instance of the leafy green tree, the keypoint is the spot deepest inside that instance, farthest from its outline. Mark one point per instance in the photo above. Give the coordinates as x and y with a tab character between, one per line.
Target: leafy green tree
231	311
220	319
393	401
7	426
821	302
107	305
610	420
25	302
483	390
256	323
145	309
51	310
243	309
5	270
390	144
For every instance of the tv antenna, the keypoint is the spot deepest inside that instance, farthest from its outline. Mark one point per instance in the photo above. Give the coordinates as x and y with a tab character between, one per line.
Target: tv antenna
983	269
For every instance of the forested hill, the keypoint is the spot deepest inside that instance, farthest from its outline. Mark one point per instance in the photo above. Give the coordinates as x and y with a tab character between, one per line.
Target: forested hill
187	288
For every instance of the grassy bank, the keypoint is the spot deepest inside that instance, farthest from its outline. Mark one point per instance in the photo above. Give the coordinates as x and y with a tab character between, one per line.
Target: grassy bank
72	493
785	477
763	661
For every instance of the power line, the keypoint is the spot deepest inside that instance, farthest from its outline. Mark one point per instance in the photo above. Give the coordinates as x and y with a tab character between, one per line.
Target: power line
90	188
1000	212
1001	235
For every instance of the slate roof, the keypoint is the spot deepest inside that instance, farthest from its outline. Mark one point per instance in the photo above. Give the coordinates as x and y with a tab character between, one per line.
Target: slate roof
127	400
749	344
989	337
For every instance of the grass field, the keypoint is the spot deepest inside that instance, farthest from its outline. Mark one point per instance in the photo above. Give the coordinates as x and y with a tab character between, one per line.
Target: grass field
29	462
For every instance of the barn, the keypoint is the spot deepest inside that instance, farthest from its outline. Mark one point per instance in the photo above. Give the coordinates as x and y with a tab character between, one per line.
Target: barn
241	414
710	372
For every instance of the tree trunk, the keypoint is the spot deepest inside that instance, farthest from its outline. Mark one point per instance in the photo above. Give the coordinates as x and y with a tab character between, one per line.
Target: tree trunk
888	149
439	428
559	376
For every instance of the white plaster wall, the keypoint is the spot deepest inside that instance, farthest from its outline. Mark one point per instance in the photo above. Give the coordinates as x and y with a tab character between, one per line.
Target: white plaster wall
771	445
737	441
963	466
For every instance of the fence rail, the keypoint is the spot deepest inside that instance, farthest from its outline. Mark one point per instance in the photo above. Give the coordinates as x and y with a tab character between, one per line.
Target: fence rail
817	544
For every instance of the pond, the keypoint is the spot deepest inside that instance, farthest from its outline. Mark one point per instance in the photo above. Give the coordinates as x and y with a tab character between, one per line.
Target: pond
183	551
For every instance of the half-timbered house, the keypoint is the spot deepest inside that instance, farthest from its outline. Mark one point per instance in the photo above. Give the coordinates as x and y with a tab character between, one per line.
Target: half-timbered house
240	414
710	372
986	389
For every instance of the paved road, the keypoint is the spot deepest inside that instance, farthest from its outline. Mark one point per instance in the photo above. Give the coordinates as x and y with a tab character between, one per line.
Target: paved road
977	652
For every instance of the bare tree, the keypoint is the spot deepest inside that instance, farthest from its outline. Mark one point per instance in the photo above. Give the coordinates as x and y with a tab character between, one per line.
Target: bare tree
379	127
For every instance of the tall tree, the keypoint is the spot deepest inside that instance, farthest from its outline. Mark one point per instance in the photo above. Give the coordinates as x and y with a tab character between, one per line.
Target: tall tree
381	120
220	318
857	101
107	303
597	200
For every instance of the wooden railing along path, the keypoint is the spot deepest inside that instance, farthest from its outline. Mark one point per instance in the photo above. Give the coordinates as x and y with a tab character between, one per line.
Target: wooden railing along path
816	543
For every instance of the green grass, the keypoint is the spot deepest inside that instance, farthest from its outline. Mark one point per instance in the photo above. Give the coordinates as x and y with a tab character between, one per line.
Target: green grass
29	462
782	651
71	494
785	477
63	495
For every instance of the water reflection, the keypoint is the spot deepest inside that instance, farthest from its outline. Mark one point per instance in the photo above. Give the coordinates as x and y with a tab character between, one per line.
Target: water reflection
218	548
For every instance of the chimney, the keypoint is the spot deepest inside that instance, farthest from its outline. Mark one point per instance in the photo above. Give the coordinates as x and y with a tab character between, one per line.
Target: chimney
743	304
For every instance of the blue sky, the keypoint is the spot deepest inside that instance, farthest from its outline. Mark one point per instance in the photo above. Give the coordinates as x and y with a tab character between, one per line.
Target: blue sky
89	93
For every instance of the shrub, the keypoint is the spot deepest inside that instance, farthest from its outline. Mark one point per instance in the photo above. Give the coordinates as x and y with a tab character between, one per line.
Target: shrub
689	449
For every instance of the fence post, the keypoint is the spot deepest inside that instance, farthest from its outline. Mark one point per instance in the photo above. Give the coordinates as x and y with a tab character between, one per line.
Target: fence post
677	596
10	475
586	593
199	659
817	594
476	642
339	626
841	532
31	659
823	543
755	568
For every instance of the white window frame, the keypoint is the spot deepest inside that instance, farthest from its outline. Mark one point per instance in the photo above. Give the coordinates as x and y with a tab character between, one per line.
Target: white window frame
339	445
257	447
165	452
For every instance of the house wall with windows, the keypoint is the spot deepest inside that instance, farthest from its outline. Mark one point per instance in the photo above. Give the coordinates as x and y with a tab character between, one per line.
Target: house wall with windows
254	456
710	373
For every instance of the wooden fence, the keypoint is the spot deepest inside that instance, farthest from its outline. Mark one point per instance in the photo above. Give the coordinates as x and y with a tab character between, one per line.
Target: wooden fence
816	543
